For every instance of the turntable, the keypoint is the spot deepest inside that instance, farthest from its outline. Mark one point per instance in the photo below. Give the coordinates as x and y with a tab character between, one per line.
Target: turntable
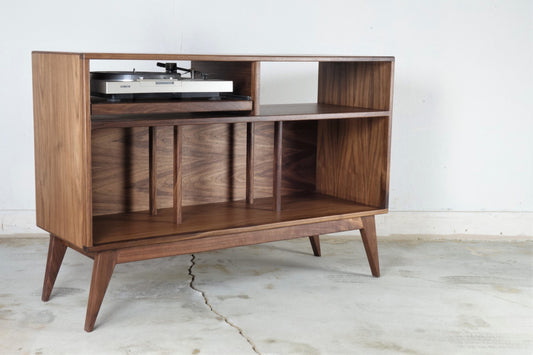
171	84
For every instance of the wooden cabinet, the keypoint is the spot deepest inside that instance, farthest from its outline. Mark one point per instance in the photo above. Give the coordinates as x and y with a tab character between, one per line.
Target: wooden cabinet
127	181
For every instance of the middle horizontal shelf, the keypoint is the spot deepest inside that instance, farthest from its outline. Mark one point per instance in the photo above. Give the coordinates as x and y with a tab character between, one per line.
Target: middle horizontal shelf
283	112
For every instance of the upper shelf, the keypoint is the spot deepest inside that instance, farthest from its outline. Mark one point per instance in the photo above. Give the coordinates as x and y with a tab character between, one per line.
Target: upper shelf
284	112
230	58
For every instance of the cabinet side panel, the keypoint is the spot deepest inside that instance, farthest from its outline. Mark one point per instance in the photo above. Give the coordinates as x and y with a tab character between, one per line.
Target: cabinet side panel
352	160
356	84
61	163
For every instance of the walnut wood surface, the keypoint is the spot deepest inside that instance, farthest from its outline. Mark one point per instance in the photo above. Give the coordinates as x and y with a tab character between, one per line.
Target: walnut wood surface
250	162
270	113
207	243
154	107
243	74
368	234
62	150
177	191
112	186
104	263
152	163
356	84
213	164
226	217
56	252
353	160
277	166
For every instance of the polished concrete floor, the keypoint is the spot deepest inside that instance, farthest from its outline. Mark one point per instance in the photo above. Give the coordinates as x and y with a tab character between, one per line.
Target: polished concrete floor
434	297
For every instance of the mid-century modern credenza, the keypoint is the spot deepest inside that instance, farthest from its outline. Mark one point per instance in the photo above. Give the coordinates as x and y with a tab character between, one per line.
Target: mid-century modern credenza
141	179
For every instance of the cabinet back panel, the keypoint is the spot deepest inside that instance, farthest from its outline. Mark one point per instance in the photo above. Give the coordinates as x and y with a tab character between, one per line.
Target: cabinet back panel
356	84
213	164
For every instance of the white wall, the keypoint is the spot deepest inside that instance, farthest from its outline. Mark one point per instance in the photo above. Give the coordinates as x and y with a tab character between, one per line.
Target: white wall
462	127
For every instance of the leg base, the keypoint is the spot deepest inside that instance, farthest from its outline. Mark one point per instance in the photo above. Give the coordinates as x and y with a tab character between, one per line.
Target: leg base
368	234
104	263
56	252
315	244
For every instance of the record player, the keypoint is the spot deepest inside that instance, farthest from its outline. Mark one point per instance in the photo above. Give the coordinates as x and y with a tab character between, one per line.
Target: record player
170	84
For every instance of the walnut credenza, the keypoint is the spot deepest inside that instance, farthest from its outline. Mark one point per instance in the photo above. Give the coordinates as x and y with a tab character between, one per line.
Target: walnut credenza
135	180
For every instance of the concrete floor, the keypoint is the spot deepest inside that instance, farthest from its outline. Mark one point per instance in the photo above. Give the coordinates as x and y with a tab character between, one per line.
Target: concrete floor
434	297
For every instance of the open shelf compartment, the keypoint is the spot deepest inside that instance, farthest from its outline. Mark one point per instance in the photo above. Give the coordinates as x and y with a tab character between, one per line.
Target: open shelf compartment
225	217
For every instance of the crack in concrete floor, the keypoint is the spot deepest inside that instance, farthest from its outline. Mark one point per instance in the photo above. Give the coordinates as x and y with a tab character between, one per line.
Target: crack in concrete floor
206	300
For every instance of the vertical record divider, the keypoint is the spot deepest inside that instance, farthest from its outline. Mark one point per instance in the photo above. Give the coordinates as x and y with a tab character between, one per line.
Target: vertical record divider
177	183
152	141
278	154
250	141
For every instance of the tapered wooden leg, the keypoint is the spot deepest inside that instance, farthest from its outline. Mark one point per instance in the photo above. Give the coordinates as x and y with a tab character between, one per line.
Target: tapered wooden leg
315	244
368	233
104	263
56	252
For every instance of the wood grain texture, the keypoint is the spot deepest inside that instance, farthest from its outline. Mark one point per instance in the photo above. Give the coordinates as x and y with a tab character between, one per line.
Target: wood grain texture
56	252
214	160
238	72
152	138
298	158
353	160
62	153
358	84
225	217
154	107
104	264
232	240
177	191
368	234
266	113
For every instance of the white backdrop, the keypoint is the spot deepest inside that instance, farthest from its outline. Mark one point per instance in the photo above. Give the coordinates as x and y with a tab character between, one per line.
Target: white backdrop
462	126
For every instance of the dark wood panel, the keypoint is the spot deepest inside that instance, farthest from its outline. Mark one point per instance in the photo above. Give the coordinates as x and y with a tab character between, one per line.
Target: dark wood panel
152	163
356	84
226	217
62	154
352	160
213	167
151	107
239	72
120	170
298	158
177	182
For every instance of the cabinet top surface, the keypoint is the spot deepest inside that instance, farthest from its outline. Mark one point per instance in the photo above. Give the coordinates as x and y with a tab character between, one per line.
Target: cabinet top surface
227	57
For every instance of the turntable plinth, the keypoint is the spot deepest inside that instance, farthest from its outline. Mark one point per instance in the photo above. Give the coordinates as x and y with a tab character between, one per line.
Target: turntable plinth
128	181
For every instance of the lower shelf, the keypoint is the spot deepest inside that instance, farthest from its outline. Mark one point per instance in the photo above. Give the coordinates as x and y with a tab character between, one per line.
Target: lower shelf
227	217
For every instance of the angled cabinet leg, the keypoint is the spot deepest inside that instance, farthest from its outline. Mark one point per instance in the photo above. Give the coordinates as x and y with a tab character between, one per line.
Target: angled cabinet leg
104	263
315	244
368	233
56	252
